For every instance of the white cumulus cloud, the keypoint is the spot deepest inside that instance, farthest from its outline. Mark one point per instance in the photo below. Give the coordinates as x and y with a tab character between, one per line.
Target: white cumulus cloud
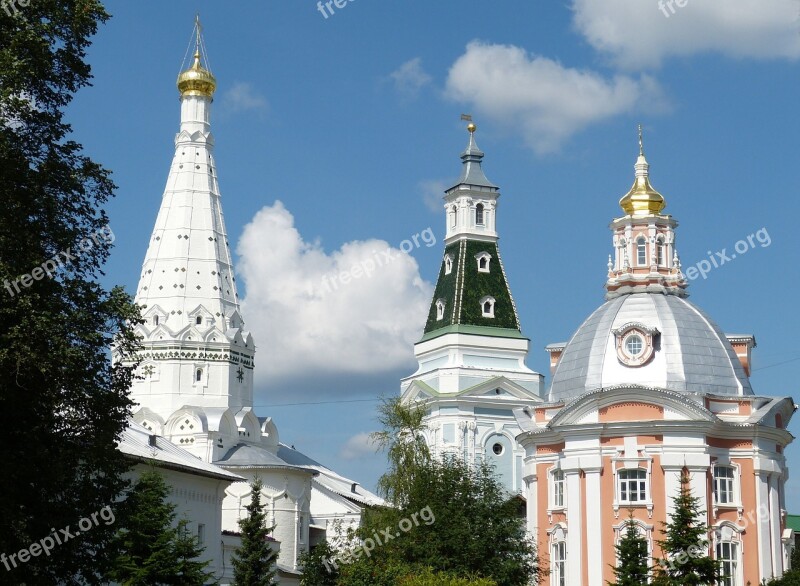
357	310
357	447
410	78
545	100
641	33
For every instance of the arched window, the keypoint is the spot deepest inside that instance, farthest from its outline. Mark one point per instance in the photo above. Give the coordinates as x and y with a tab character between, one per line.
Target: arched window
479	214
155	320
198	375
641	251
728	551
453	216
448	264
484	259
660	252
199	320
440	309
558	566
487	306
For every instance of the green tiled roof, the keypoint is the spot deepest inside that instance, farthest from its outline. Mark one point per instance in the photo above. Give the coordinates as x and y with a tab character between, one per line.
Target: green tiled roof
464	287
793	522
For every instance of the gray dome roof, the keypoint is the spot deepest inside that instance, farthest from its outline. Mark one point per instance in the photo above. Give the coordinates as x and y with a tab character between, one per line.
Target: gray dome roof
691	353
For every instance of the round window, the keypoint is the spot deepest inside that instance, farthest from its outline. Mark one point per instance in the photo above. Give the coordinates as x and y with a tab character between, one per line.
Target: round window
497	449
634	345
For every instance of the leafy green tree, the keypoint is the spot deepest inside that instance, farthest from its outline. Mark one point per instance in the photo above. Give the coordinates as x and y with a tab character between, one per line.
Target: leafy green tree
633	557
685	545
317	567
150	547
254	561
791	578
446	516
59	392
430	578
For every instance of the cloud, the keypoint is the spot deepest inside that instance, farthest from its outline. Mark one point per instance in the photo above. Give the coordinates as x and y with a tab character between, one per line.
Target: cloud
357	447
318	316
545	100
432	194
636	34
241	97
410	78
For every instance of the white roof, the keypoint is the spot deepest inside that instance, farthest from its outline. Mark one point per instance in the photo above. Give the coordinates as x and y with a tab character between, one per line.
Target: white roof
135	442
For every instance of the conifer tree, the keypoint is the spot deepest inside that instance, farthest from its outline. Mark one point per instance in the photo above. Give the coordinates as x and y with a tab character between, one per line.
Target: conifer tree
685	546
632	567
254	561
150	548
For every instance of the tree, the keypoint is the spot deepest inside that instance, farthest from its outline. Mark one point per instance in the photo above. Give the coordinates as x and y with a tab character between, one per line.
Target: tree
150	547
479	533
317	569
633	566
254	561
63	405
430	578
687	561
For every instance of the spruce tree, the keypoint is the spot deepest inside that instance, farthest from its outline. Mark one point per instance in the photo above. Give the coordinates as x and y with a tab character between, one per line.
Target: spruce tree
150	547
254	562
63	405
685	545
633	566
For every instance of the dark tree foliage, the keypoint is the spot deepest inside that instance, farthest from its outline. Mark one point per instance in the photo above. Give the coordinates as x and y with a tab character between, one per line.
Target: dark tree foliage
317	569
62	403
687	561
150	548
633	567
447	518
254	561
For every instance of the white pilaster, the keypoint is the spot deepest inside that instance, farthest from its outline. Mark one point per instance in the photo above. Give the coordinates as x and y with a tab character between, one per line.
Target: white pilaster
574	521
594	524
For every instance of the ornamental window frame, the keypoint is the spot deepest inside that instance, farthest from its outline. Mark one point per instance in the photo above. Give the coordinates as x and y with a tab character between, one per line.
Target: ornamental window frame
730	535
559	568
484	260
448	264
440	307
621	463
487	306
736	486
644	531
640	485
660	251
635	343
557	484
641	251
480	214
453	217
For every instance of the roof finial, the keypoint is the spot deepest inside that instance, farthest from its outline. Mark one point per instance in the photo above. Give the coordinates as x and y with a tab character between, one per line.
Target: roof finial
471	126
641	144
197	80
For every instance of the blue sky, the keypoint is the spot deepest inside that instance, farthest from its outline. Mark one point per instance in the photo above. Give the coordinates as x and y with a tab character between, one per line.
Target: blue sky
335	136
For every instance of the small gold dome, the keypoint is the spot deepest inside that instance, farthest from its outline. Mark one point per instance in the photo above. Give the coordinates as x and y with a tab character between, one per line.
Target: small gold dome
642	199
471	127
197	80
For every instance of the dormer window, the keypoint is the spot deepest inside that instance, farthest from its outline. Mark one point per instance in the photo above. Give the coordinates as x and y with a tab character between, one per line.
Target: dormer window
484	259
635	343
199	320
155	320
448	264
487	307
439	309
479	214
641	251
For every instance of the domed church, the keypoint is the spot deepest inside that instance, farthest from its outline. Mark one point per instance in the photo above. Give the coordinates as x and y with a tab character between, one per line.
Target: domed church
647	389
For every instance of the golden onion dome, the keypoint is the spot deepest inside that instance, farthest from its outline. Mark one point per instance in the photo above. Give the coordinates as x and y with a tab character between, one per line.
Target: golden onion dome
197	80
642	199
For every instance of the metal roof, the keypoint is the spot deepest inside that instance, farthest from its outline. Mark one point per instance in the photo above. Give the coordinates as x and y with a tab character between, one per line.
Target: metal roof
691	352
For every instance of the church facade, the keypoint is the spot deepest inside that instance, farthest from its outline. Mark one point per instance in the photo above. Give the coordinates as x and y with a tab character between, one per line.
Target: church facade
647	390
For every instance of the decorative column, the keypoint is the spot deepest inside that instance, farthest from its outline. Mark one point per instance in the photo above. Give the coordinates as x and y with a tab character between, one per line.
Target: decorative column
592	465
572	478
